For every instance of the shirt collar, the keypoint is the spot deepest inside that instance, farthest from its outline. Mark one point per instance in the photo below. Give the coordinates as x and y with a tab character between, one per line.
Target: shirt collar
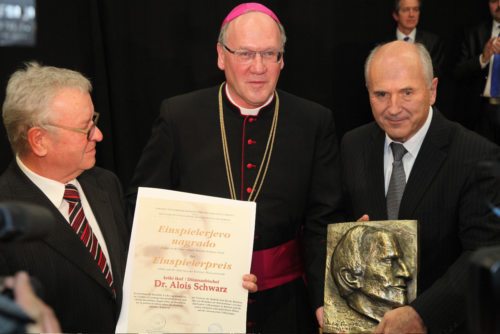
413	144
246	111
54	190
412	35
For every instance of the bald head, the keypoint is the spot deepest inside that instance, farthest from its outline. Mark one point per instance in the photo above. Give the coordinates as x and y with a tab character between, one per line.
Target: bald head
399	52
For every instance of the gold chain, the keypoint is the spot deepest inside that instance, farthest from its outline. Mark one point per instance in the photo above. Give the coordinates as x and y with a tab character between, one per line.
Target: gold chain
261	175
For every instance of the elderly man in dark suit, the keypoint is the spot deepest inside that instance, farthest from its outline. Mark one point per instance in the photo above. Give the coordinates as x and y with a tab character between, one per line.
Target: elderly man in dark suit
51	125
412	163
475	69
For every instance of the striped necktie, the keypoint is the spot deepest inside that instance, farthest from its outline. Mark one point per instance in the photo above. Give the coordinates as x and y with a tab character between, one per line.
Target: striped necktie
495	76
82	228
397	183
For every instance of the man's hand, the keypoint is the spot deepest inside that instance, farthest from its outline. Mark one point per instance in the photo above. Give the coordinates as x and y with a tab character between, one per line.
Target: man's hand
43	315
364	218
319	316
401	320
490	48
496	45
250	282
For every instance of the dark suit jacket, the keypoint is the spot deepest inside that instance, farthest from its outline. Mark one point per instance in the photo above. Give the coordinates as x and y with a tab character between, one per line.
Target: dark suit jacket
472	46
446	194
72	283
435	47
468	71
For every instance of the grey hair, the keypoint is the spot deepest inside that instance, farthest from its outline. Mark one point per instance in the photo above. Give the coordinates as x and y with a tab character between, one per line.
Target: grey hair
28	96
223	30
424	56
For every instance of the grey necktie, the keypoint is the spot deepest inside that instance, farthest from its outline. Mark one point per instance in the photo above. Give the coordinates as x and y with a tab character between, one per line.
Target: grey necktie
397	183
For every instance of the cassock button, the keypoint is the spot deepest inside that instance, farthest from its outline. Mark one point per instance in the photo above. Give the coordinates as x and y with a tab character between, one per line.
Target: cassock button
249	190
251	300
251	142
250	166
252	119
250	324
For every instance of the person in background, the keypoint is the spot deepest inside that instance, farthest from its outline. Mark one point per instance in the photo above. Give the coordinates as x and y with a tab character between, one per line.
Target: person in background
406	13
478	69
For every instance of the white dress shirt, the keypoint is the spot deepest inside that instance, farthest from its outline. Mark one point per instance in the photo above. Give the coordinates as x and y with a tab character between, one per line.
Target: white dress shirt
55	192
412	145
400	36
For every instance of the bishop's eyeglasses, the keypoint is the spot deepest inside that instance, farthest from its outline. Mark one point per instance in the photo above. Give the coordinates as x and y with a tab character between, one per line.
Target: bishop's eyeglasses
246	56
89	132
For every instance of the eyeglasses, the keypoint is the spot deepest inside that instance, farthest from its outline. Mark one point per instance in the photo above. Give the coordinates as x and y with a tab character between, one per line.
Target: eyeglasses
246	56
89	132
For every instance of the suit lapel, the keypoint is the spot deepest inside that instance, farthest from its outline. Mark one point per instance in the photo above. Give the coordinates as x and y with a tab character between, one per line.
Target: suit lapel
62	238
103	213
418	37
485	33
374	165
430	158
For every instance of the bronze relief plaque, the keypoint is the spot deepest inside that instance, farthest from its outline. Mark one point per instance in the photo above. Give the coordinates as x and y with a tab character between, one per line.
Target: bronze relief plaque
371	268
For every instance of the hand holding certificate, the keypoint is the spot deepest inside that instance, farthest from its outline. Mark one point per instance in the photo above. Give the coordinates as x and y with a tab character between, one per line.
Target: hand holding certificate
186	260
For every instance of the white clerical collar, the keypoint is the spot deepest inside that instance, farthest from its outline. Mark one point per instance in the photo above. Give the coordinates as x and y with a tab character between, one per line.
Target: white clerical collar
246	111
413	144
401	36
54	190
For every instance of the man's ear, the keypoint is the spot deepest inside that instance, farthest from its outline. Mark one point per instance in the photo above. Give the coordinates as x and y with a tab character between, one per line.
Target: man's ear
220	57
351	280
433	95
395	16
37	141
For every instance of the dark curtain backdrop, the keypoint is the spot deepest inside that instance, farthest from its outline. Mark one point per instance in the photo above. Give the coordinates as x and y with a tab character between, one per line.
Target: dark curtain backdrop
139	52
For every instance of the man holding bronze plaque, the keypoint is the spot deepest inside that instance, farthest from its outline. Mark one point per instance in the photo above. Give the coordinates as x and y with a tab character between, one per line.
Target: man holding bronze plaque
412	163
